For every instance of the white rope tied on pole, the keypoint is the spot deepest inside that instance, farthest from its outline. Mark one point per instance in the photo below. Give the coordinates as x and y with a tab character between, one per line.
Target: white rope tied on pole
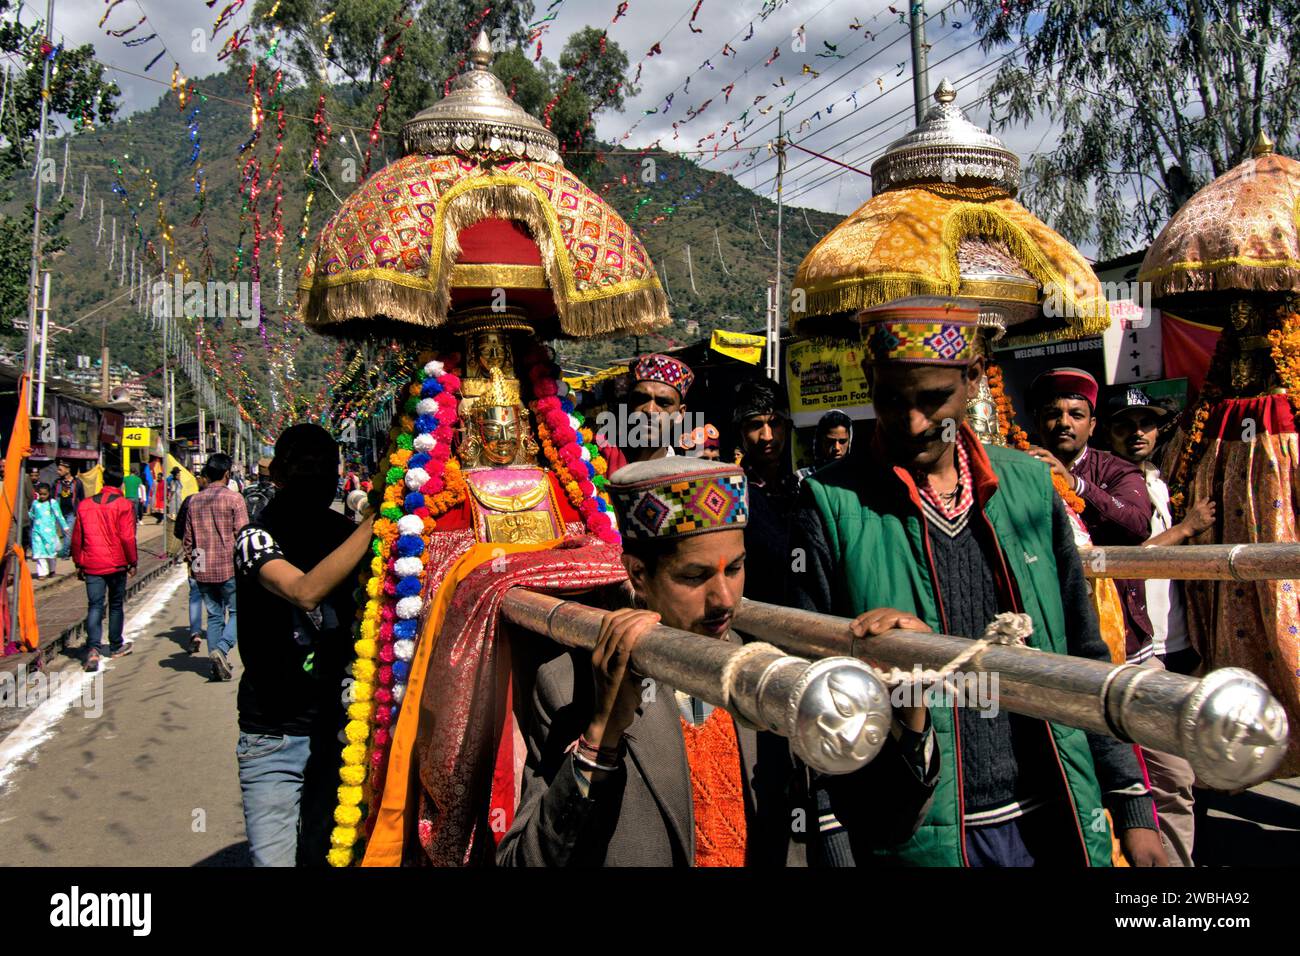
733	663
1006	628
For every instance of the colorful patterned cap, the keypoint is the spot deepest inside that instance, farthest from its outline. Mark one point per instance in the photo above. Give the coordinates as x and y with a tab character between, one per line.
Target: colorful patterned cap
676	496
666	369
922	331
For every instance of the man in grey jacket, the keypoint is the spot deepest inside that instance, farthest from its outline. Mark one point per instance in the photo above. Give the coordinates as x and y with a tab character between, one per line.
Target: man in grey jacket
621	771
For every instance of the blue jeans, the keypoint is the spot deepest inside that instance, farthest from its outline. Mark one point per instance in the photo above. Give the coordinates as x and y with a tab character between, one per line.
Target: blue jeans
217	599
196	608
288	785
66	550
99	586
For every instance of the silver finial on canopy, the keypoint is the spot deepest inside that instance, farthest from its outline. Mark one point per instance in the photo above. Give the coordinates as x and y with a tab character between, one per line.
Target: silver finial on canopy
947	148
477	118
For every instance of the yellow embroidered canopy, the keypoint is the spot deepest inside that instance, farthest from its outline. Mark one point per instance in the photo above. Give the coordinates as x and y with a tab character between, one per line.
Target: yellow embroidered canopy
943	223
480	211
1238	234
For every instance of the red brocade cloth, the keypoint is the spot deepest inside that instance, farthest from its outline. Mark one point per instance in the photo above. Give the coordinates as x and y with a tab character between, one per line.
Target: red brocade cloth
717	791
468	752
1250	468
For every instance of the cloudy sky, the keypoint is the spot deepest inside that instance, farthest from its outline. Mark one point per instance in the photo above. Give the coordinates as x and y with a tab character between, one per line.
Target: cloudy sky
860	101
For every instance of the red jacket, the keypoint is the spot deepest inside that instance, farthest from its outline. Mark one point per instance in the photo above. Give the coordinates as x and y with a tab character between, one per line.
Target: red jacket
103	539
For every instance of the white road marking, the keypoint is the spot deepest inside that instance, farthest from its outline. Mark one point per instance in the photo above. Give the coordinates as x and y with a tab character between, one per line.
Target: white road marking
38	726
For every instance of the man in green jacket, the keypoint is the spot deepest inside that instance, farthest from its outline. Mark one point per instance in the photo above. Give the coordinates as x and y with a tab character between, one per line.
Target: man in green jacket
931	523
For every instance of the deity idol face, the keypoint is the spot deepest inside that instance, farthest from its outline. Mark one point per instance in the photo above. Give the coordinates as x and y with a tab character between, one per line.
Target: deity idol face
498	433
493	350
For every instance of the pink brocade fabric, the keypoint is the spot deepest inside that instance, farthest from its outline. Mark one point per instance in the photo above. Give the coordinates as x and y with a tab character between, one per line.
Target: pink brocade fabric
463	712
1255	625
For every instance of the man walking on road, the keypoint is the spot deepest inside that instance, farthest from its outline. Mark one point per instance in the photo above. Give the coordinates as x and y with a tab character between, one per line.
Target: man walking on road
216	515
289	707
103	549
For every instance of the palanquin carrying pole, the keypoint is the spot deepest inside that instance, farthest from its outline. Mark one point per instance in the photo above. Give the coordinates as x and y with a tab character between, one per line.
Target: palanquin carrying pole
1195	562
835	712
1227	725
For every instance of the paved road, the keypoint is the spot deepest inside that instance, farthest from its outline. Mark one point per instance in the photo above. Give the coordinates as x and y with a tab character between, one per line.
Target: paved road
152	780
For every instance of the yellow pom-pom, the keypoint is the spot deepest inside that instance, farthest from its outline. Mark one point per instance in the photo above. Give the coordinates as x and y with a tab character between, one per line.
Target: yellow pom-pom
347	816
349	796
363	711
365	647
369	630
376	566
357	732
353	777
362	691
363	670
372	587
343	836
340	856
354	754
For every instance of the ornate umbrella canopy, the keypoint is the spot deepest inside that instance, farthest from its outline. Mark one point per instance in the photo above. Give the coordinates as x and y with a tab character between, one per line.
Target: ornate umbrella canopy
1237	235
943	221
479	209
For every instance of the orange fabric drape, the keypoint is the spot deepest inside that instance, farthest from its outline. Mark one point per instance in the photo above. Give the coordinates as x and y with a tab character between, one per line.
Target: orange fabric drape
384	848
20	444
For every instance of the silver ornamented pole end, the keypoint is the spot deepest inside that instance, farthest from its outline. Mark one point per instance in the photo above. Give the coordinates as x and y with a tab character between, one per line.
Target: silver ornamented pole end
1234	730
839	715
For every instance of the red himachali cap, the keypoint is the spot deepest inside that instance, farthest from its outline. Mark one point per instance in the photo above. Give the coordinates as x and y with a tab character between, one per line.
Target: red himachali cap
1064	381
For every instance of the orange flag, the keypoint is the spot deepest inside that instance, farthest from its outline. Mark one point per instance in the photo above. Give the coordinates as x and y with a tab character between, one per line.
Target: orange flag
20	444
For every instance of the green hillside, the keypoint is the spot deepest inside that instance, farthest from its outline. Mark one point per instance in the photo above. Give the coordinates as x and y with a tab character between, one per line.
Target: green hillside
728	292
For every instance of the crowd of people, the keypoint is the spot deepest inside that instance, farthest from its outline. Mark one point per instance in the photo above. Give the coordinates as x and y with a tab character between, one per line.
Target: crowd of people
901	521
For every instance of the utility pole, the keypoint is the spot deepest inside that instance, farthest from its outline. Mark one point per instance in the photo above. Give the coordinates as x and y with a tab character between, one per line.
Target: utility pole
774	340
920	75
45	338
20	512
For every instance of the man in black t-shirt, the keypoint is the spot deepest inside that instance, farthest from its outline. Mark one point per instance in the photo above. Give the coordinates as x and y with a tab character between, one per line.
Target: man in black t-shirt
290	705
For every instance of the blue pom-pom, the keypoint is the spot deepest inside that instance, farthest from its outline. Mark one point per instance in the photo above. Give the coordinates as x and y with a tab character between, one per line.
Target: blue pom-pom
409	587
418	460
430	388
401	670
567	406
591	470
392	712
413	500
600	503
404	630
409	546
425	423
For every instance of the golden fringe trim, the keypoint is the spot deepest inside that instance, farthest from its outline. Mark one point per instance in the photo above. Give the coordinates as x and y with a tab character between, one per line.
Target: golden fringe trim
1090	316
1227	278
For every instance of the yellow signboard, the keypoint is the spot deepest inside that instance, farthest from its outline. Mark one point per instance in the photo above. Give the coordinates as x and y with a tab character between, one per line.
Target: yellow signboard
137	438
824	374
739	345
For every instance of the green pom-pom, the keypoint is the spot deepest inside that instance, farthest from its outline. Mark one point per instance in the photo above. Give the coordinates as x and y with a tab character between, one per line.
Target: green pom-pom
592	450
374	546
405	441
391	512
600	481
395	474
411	404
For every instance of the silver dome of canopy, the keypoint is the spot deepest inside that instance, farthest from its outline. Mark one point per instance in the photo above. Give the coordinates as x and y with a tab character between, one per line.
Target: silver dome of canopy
947	148
477	118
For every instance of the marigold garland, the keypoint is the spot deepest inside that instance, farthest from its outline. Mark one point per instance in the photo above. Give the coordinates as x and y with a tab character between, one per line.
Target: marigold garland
422	483
569	447
1286	355
1018	438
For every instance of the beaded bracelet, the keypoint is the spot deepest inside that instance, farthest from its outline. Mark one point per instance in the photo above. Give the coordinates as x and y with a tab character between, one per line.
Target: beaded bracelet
587	764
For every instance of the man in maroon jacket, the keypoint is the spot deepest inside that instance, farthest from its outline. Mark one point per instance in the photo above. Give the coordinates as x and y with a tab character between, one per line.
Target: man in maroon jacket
1117	509
103	549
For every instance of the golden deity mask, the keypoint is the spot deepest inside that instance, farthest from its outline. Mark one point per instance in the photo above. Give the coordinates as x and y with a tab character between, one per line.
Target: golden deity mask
496	427
498	433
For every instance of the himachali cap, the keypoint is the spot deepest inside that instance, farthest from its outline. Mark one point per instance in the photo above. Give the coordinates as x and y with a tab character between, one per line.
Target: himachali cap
921	330
1063	381
665	369
675	497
